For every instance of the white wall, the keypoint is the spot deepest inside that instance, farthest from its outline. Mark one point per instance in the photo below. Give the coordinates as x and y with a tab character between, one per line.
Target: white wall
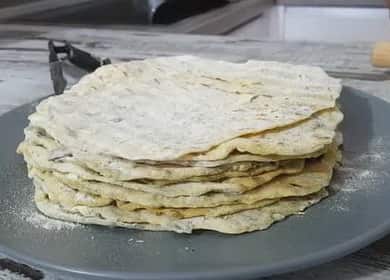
325	24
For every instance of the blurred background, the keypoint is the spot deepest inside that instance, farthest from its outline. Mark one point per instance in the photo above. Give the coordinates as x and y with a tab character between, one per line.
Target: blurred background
303	20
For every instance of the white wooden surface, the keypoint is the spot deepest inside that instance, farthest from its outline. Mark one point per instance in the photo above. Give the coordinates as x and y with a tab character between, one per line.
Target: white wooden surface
24	77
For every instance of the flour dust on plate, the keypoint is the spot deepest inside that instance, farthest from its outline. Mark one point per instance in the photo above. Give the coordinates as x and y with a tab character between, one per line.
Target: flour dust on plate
359	178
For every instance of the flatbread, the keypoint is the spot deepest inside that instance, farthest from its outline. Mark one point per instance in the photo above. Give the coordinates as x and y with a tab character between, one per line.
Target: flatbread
38	136
59	193
124	171
316	133
292	141
315	176
299	140
182	213
245	221
185	143
165	108
35	156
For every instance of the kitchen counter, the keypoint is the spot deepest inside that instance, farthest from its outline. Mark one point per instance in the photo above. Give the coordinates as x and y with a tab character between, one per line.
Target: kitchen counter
24	77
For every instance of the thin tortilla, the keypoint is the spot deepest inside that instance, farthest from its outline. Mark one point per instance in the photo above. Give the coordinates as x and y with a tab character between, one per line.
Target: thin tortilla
315	176
163	109
245	221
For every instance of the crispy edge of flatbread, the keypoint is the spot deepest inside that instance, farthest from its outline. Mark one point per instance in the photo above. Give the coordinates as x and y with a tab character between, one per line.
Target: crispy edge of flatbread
316	175
245	221
35	158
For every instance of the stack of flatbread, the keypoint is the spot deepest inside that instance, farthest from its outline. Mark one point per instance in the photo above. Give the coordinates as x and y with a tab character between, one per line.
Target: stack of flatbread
185	143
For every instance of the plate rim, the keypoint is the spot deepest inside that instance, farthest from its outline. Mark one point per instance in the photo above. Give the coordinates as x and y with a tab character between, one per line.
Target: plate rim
335	252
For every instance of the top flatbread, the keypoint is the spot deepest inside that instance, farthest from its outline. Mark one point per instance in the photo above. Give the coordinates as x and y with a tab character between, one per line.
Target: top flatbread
166	108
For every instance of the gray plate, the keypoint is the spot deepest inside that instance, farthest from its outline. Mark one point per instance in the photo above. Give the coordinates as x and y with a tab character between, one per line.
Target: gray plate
354	216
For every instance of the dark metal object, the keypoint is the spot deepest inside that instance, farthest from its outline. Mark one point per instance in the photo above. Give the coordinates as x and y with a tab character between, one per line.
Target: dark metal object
76	56
170	11
56	72
95	252
102	12
21	269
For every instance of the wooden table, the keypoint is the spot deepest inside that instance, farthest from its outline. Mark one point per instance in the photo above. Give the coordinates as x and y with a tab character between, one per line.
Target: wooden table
24	77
